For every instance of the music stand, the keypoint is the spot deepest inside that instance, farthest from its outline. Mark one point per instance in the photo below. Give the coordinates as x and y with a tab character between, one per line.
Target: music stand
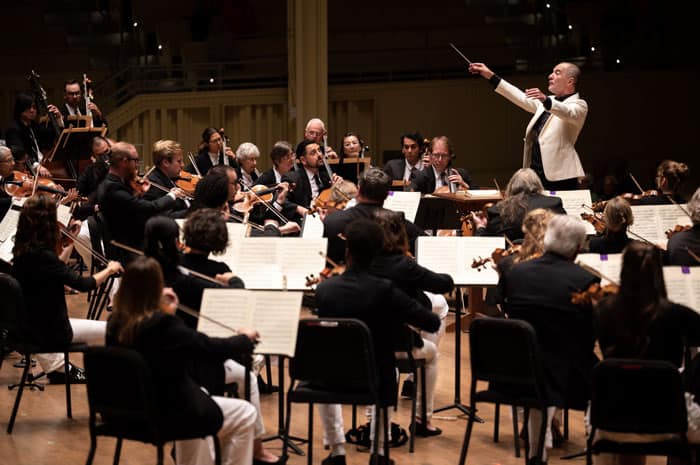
74	144
437	213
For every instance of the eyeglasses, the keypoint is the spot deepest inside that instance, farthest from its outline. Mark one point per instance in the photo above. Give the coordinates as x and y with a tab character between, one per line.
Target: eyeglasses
136	159
440	156
73	93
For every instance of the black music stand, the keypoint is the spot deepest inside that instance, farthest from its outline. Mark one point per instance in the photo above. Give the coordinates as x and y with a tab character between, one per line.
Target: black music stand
437	213
73	144
281	411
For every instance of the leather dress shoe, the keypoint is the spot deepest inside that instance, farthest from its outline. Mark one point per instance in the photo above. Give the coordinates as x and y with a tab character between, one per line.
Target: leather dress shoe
380	460
334	460
424	432
76	375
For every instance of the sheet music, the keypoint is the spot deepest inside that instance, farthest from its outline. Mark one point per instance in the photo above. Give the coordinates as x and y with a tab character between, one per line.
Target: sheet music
483	193
8	225
683	285
406	202
274	314
265	262
573	202
454	256
607	264
313	227
652	221
6	247
236	231
63	214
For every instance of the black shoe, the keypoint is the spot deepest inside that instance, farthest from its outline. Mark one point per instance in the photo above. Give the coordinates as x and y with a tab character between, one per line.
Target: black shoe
535	461
424	432
380	460
264	388
407	389
334	460
76	375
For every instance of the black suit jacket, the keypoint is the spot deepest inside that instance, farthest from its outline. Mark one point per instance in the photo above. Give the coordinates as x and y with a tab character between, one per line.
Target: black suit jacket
204	163
96	121
42	276
153	193
170	348
424	181
539	292
609	242
395	168
125	215
513	229
679	244
18	135
336	222
267	178
383	308
301	195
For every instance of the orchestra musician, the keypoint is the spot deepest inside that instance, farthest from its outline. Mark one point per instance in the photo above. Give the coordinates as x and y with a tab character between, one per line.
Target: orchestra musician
247	155
211	152
617	217
523	193
670	176
406	168
310	180
25	133
373	189
74	105
7	164
315	132
439	172
539	292
426	287
382	306
639	322
557	121
144	320
681	243
283	158
92	176
168	162
162	243
42	275
125	213
353	146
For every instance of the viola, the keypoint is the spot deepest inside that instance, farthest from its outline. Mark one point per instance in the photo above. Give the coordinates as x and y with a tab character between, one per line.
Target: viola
22	185
496	256
597	222
139	185
594	293
256	194
678	228
325	273
332	199
187	182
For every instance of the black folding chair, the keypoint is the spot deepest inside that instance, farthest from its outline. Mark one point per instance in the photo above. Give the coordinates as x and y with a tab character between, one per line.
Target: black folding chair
505	353
121	396
334	364
99	298
640	397
416	367
12	329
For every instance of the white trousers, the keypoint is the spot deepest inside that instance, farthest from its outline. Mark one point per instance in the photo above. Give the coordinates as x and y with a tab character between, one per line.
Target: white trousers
333	429
91	332
430	353
83	244
235	437
235	373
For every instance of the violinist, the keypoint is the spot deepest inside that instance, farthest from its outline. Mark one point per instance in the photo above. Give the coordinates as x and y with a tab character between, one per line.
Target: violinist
123	212
247	155
406	168
440	173
283	158
211	152
162	243
523	193
639	322
421	284
42	276
681	242
144	320
539	292
617	217
168	162
26	133
373	189
670	177
7	163
311	179
74	105
90	179
315	132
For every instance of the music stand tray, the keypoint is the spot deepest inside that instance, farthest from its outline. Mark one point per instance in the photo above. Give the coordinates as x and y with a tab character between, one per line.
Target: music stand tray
73	144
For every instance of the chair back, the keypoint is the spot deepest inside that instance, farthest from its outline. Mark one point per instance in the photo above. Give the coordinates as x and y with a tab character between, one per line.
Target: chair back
121	391
506	351
11	311
638	396
335	353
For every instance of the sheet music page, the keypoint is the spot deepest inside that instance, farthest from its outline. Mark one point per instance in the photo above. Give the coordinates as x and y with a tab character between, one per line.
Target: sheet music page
683	285
652	221
8	225
406	202
236	231
483	193
300	257
63	214
276	317
230	307
313	227
573	202
454	256
609	265
6	247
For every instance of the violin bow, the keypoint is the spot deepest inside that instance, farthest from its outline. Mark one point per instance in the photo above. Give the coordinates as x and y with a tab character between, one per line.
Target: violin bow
596	273
634	180
669	197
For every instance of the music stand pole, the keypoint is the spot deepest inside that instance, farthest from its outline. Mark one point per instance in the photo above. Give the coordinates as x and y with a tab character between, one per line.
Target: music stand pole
281	412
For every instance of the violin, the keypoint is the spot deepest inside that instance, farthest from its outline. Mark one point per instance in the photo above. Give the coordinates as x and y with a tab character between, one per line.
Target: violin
187	182
139	185
22	185
257	194
678	228
496	256
597	222
325	273
594	293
